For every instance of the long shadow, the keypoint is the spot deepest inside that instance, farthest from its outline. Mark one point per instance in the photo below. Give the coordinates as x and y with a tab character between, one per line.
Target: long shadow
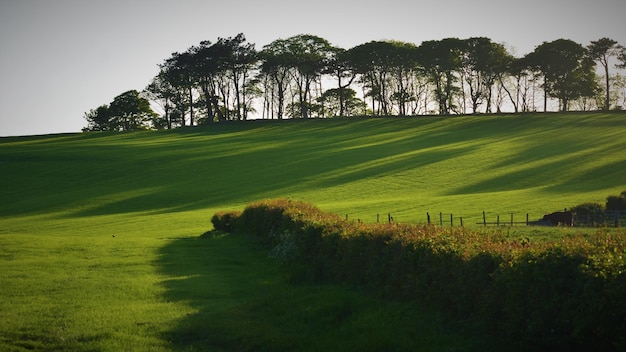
215	277
557	168
190	169
206	167
240	300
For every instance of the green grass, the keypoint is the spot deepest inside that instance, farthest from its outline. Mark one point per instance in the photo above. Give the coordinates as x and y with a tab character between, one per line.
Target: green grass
67	284
142	292
363	167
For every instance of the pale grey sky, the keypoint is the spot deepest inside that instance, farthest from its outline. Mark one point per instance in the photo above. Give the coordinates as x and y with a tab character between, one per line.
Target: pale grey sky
61	58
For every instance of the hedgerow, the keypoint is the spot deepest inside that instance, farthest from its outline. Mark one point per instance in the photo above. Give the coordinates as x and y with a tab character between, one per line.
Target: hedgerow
568	294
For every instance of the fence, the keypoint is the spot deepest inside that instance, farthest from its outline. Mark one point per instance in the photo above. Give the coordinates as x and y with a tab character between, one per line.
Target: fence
614	218
504	222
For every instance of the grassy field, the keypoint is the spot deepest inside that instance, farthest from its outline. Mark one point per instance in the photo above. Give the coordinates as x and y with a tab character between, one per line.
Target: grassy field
99	233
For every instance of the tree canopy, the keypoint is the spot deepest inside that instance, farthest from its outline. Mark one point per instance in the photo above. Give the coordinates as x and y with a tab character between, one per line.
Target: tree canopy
128	111
567	69
305	76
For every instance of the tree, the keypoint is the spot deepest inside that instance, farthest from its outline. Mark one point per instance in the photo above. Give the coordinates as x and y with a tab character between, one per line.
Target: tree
372	62
342	102
131	112
308	55
339	66
275	66
403	67
180	72
208	62
162	93
128	111
602	50
483	62
518	71
220	69
240	60
567	69
441	59
98	119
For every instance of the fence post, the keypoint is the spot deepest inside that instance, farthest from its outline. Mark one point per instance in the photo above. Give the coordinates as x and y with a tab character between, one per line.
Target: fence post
461	218
440	219
377	218
451	220
428	217
511	219
498	222
389	217
526	219
484	219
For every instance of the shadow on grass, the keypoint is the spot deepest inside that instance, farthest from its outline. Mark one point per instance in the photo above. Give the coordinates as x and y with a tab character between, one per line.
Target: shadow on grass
204	167
240	301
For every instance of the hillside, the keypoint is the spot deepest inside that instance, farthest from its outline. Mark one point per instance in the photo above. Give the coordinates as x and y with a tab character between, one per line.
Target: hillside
100	246
361	167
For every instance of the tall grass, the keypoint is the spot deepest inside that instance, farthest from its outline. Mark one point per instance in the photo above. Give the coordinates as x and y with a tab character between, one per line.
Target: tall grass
67	284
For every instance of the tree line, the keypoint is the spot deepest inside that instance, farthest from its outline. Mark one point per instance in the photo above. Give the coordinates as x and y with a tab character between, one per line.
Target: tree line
305	76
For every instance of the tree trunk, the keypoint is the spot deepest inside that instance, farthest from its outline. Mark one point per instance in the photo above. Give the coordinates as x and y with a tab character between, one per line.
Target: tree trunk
341	103
168	118
281	100
489	94
607	104
208	103
235	79
190	106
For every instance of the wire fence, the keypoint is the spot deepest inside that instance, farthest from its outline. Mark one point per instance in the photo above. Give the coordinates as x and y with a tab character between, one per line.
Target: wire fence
612	218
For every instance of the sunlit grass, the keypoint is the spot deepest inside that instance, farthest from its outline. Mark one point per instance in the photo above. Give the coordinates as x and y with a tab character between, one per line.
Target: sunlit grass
526	164
99	247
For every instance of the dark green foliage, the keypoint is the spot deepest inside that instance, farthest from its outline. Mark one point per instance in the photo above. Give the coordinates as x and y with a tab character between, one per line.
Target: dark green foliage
128	111
594	214
225	221
589	214
616	202
568	294
567	70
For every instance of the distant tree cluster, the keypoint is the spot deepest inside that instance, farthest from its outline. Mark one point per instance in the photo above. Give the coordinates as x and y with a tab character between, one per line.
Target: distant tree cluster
305	76
129	111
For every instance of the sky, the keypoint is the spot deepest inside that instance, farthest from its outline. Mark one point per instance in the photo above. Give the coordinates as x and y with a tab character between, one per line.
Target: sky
62	58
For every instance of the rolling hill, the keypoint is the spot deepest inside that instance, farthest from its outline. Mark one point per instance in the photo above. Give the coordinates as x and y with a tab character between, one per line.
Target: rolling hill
533	164
99	232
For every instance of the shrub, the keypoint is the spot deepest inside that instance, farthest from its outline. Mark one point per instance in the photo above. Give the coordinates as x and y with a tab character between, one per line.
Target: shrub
589	213
225	221
616	202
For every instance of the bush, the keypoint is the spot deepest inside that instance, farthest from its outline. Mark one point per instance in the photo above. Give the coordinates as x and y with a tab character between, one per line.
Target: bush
563	295
589	214
225	221
616	202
